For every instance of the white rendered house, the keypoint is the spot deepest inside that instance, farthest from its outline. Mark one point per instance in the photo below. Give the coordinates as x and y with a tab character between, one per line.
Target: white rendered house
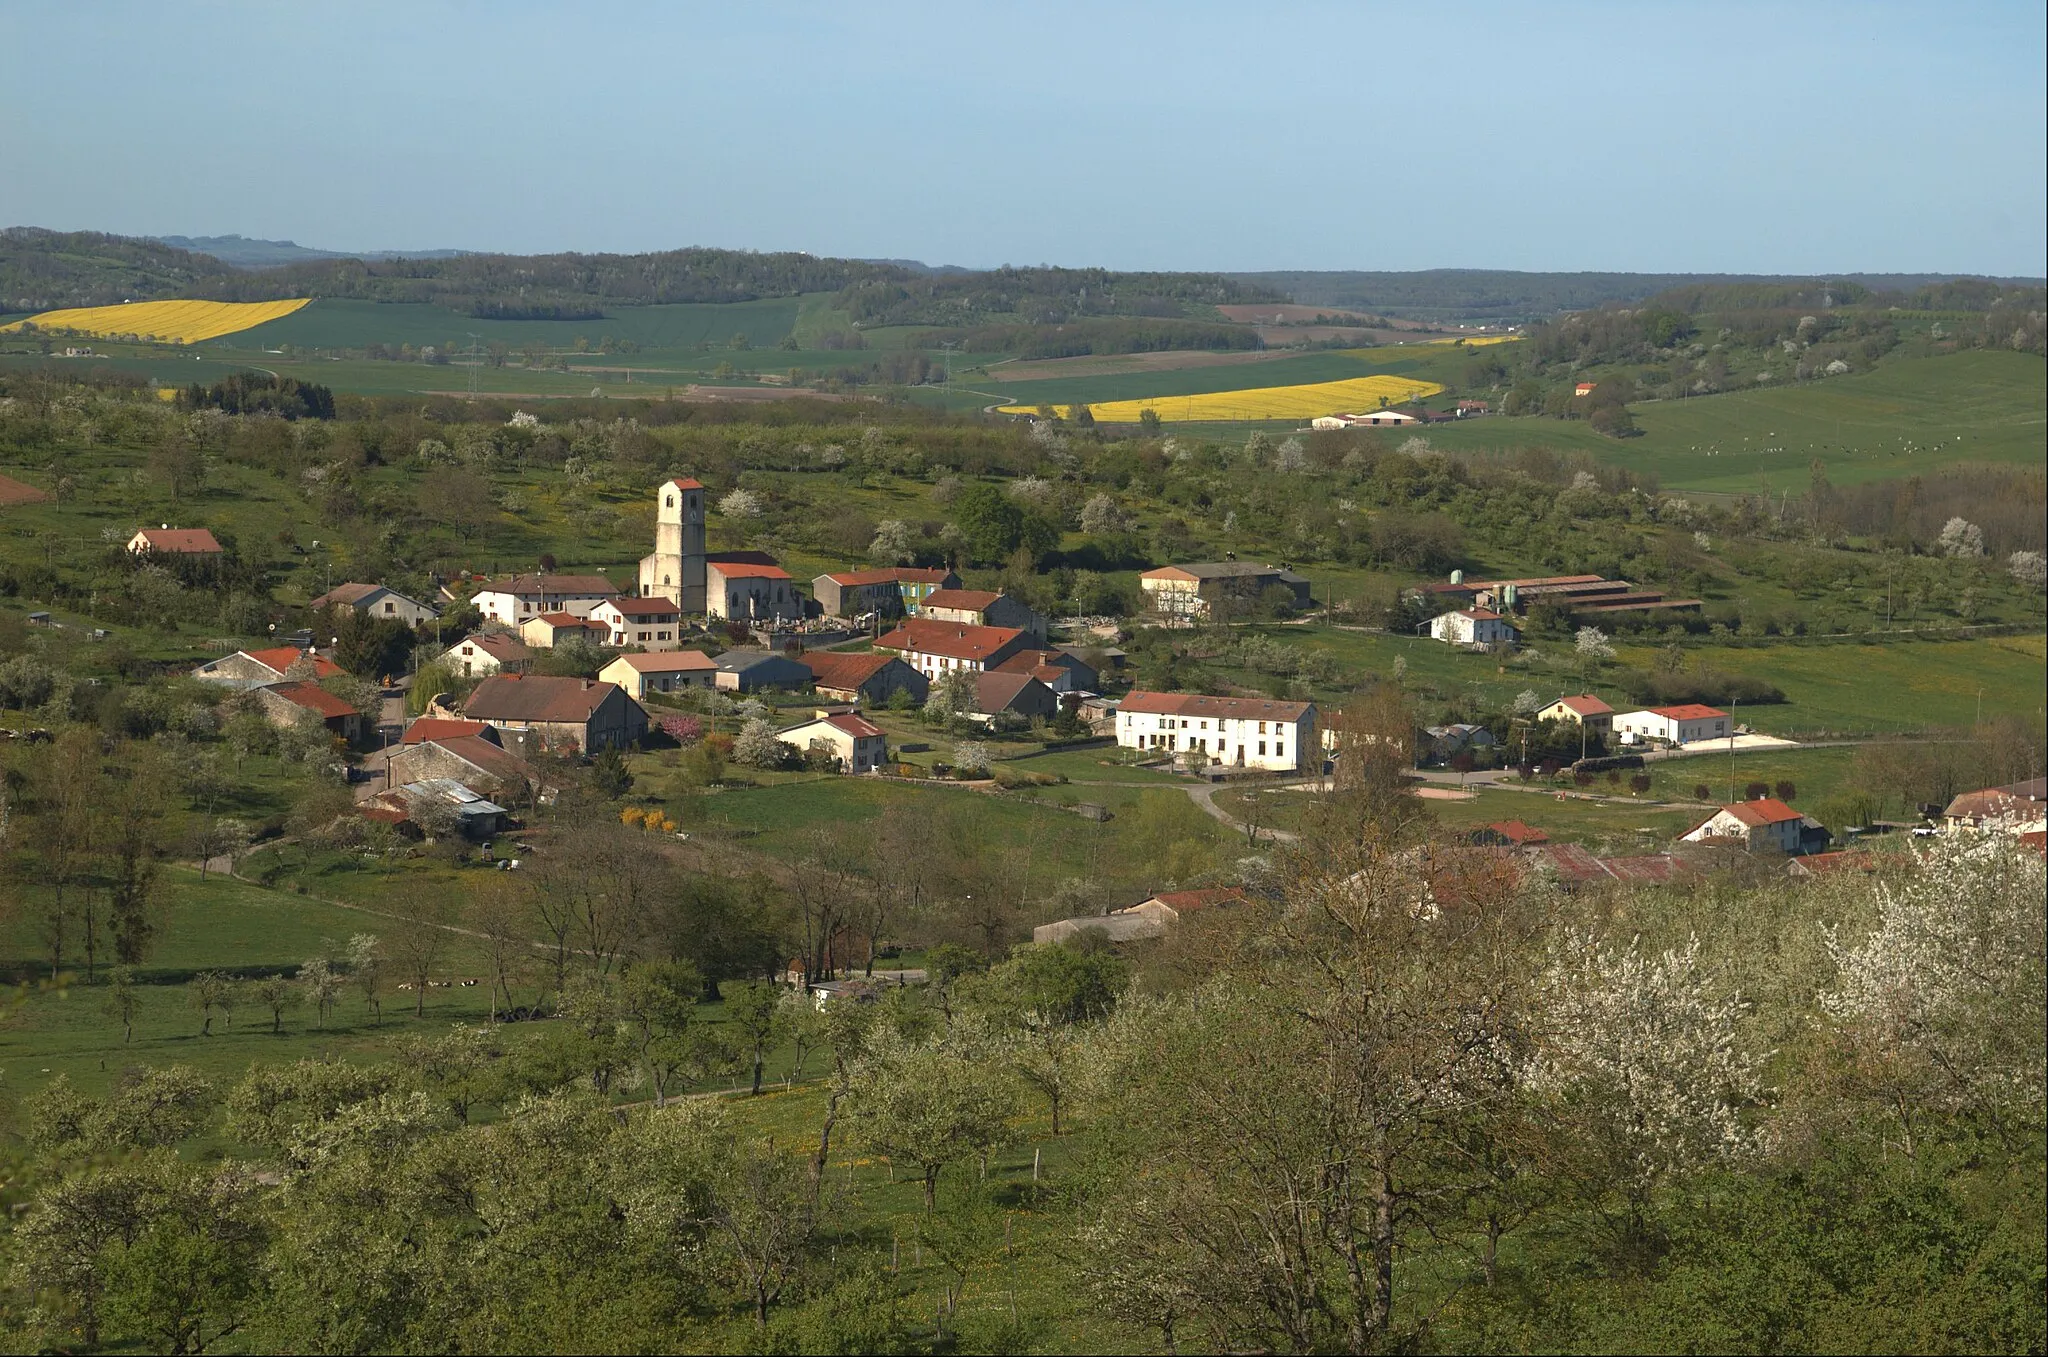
1238	732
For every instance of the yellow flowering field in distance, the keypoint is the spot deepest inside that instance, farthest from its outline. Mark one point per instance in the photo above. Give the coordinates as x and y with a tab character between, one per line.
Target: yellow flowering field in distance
1351	395
184	322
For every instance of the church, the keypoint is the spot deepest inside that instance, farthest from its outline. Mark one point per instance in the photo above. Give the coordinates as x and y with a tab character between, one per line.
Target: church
742	586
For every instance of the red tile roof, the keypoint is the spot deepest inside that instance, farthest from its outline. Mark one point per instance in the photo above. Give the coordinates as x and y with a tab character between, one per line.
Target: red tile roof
1766	810
669	662
1837	861
1585	705
969	600
1479	614
559	620
439	728
632	606
479	752
282	658
954	640
524	697
855	725
687	483
747	570
836	670
995	691
313	697
1515	832
345	593
1690	711
188	541
1194	704
504	649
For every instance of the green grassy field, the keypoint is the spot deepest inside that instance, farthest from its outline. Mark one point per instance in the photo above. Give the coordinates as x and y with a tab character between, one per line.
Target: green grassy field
1903	418
1846	687
331	323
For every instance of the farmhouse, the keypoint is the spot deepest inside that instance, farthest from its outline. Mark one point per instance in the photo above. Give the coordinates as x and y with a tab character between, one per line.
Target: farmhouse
748	586
857	743
563	714
1149	918
1476	627
933	648
1060	670
668	672
650	623
171	541
511	602
1766	824
487	652
549	630
374	600
1585	710
1019	696
2017	808
1194	590
285	704
1241	732
1444	742
1684	724
865	677
422	802
478	763
747	671
425	728
256	668
981	608
890	593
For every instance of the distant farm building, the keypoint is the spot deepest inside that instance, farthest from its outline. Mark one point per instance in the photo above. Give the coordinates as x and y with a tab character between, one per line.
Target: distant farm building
1190	591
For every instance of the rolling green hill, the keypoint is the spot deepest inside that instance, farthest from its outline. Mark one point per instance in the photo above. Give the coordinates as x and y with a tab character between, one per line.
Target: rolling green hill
335	323
1905	417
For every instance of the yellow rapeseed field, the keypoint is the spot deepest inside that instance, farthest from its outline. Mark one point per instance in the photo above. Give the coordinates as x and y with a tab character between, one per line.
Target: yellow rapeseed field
1352	394
163	322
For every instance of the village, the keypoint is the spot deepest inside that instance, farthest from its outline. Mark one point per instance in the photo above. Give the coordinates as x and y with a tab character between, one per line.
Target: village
860	673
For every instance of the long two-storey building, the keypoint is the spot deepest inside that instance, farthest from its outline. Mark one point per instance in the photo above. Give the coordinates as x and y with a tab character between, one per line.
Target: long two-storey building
1237	732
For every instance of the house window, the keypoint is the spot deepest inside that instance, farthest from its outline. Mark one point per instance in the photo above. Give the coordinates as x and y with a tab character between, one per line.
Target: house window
1262	749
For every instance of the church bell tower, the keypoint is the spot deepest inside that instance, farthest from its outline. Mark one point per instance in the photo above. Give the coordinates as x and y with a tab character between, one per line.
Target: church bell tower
676	569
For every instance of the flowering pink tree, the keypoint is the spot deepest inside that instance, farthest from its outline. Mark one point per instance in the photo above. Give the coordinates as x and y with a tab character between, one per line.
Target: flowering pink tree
683	729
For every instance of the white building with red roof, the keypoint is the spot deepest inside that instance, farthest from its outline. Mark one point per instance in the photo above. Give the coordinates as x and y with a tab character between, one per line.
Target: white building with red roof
257	668
1687	723
1584	709
486	652
669	671
653	623
935	648
855	741
516	598
1237	732
748	586
981	608
1478	627
1766	824
171	541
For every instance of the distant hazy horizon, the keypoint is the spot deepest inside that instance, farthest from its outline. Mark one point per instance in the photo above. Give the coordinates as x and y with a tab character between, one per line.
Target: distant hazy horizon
1710	139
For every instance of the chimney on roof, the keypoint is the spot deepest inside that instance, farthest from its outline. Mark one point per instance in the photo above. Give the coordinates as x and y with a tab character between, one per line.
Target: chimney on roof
586	685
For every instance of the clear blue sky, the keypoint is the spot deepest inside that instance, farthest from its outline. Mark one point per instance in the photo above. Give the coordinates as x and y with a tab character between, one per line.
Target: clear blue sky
1714	137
